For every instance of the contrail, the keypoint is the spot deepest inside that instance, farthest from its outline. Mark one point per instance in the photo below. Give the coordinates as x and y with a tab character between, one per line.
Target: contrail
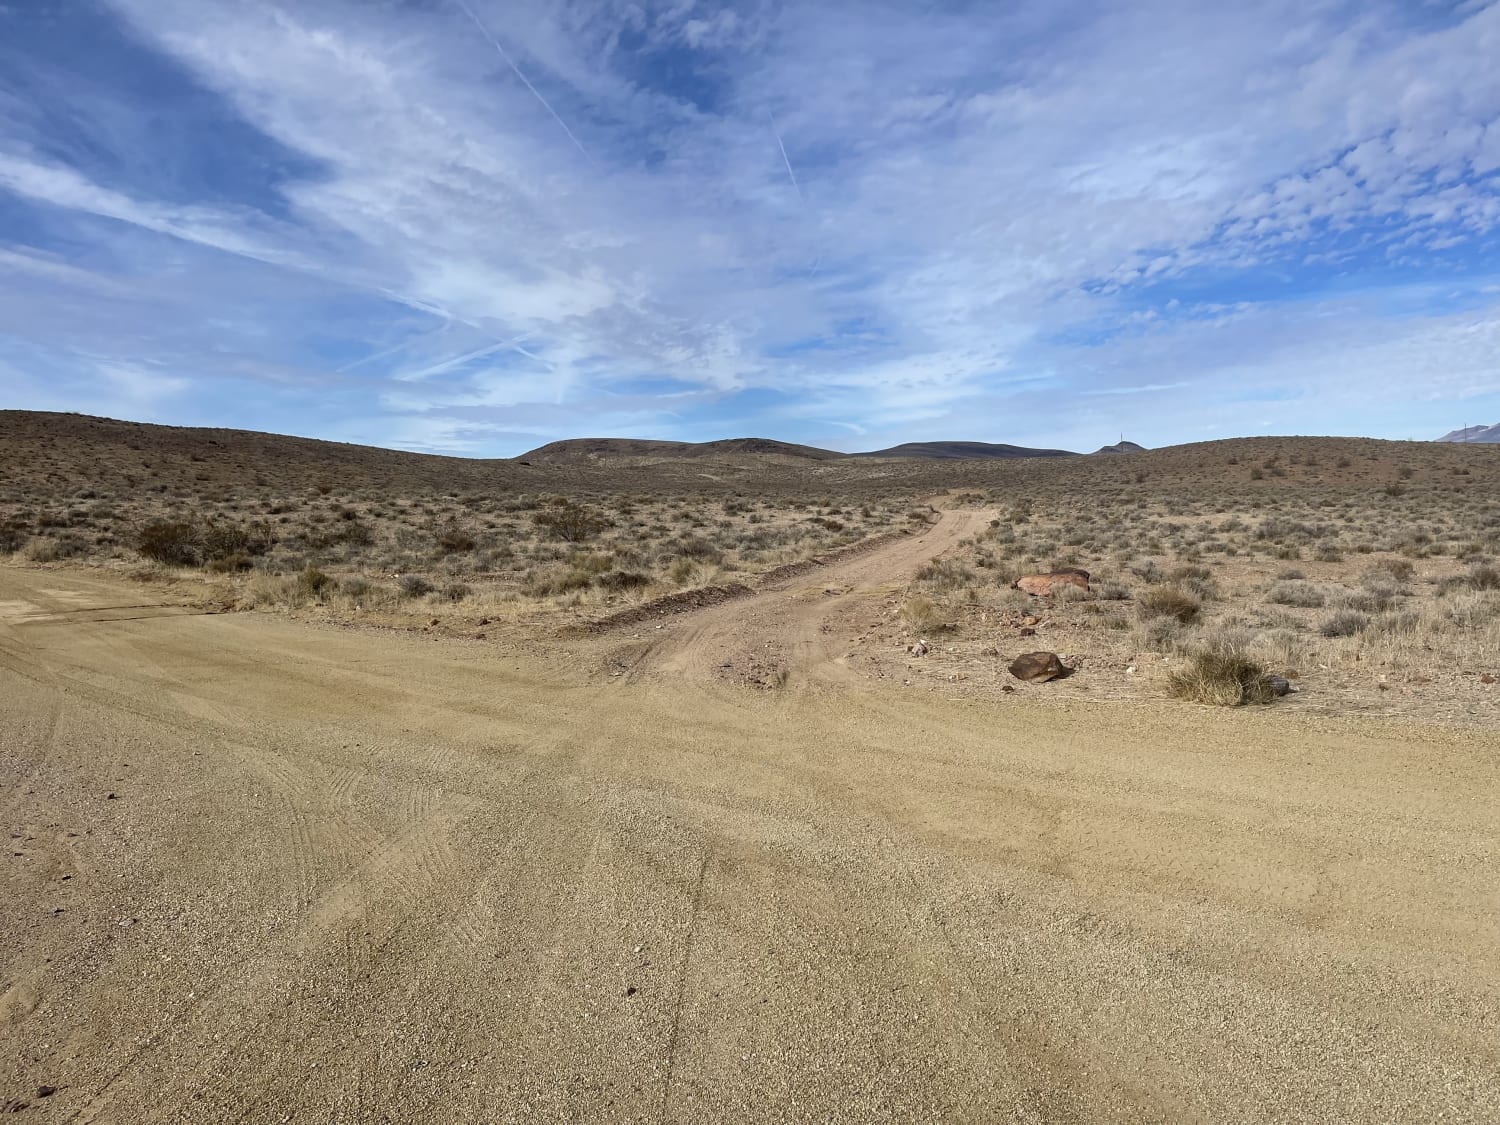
510	62
438	331
784	158
458	360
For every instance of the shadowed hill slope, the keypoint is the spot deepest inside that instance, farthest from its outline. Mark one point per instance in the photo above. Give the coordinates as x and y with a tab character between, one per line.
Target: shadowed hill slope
644	447
962	451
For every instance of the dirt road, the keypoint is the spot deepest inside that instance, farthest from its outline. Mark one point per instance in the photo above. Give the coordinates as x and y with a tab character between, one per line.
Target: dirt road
792	626
265	871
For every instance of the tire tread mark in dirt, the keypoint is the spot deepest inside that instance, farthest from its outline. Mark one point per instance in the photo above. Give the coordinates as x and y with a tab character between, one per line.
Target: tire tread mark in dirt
682	981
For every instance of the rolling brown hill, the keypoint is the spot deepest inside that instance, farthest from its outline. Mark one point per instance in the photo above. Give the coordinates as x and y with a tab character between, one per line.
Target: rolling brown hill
571	448
49	457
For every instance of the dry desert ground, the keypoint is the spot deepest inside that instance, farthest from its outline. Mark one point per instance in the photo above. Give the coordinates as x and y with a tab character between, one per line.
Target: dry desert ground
436	821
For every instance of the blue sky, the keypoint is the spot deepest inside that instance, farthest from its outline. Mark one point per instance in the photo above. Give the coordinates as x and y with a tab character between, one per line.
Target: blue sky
470	226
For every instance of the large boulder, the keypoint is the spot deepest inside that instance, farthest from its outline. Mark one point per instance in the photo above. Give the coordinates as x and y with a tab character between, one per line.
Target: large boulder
1038	667
1045	585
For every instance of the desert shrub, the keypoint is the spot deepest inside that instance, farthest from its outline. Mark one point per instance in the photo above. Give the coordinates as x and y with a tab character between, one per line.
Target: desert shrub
355	534
314	582
1189	572
413	585
453	540
230	564
13	535
355	587
569	521
620	580
233	541
1296	594
1111	591
698	549
1222	677
556	580
42	549
945	574
170	542
921	614
1368	601
1483	578
1401	570
1168	601
1345	623
456	592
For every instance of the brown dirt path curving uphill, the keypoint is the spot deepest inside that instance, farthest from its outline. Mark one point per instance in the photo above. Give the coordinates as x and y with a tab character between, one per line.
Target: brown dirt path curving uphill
263	871
793	625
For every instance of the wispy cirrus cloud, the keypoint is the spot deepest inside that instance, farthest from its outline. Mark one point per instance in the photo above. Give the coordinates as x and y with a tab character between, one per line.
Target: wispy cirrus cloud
477	226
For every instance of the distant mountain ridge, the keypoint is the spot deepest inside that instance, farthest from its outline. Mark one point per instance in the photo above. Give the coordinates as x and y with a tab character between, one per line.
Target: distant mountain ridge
1474	435
572	448
962	451
648	447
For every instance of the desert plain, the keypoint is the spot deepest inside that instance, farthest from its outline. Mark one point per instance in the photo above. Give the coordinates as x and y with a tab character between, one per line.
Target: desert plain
349	785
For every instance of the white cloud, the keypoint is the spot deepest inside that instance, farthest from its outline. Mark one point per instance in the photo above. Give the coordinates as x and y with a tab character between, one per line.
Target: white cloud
978	190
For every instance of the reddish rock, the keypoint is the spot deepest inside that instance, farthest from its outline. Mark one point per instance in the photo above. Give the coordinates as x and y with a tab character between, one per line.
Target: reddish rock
1043	585
1037	667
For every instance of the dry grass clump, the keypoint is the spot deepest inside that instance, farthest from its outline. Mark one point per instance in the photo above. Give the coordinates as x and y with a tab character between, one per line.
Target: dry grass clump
1298	594
1168	601
921	614
1221	677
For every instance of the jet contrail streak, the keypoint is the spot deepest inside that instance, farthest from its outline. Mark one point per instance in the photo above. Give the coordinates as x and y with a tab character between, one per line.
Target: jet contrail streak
784	158
510	62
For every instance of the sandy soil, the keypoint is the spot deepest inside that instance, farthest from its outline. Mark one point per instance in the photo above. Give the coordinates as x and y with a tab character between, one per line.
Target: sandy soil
260	870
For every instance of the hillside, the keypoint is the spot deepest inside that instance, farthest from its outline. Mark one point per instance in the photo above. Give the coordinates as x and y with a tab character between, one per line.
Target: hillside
1474	435
962	451
572	448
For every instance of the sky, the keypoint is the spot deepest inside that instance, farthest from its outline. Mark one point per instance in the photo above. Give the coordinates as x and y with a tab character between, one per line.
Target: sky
474	226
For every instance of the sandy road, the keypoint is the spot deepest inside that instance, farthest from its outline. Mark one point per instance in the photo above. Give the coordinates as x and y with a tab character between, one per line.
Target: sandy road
364	878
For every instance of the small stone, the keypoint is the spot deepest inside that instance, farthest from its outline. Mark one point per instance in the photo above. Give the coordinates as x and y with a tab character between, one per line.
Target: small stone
111	796
1028	631
1486	679
45	1091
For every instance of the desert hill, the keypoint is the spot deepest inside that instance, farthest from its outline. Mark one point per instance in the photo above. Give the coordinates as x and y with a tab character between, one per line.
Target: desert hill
644	447
51	458
1121	446
1474	435
962	451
